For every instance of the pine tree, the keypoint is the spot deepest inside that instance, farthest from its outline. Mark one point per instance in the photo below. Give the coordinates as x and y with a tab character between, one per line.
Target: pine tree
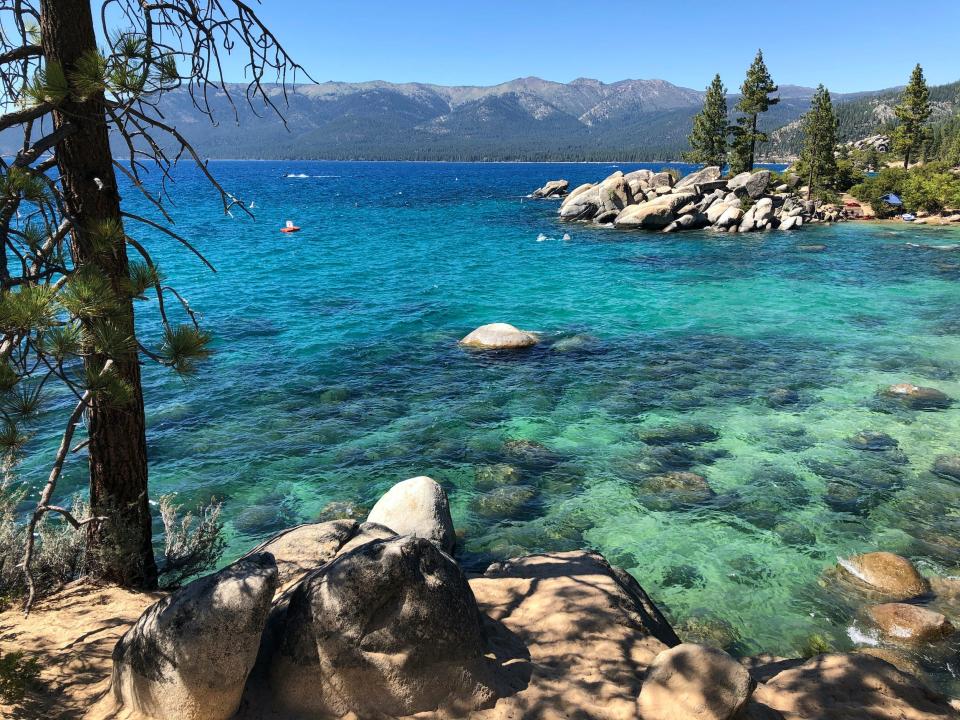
818	163
708	140
913	113
68	283
754	100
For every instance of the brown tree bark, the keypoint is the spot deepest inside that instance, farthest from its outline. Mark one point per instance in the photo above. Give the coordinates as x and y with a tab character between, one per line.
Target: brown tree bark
122	548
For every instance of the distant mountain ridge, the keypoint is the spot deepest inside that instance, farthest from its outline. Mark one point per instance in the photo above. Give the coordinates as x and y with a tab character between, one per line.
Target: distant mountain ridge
523	119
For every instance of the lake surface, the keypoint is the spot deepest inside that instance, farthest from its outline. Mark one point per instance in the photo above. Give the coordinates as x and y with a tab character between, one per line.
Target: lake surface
338	373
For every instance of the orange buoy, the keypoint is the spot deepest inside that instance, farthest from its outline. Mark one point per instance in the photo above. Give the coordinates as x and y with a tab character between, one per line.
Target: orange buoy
289	227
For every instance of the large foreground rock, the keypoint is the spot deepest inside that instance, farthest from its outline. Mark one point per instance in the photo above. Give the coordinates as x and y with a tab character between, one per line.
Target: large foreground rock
188	656
694	682
417	507
389	628
499	336
887	574
848	687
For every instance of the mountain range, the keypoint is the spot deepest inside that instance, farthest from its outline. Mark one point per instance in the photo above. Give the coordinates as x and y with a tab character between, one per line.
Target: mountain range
524	119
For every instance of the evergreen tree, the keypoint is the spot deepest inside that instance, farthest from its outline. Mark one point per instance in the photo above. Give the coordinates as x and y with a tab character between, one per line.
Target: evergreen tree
913	113
754	100
67	284
708	141
818	163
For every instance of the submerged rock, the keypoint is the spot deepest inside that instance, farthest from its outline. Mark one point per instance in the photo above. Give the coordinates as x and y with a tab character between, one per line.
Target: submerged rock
694	682
947	466
531	454
417	507
693	434
189	655
502	501
390	628
499	336
672	489
887	574
778	397
918	398
910	623
490	476
874	441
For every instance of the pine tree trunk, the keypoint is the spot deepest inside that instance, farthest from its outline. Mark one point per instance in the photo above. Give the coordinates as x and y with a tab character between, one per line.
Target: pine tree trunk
906	159
753	140
121	549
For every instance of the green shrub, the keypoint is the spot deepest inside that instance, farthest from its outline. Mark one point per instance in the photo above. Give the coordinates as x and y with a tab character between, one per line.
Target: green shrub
192	543
17	674
815	644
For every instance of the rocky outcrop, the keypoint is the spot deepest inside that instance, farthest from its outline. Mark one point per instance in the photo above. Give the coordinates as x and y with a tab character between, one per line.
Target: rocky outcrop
499	336
417	507
694	682
552	189
886	574
189	655
654	201
901	622
389	628
852	686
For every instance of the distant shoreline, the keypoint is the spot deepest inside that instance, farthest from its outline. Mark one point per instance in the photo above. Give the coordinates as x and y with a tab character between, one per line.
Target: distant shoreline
480	162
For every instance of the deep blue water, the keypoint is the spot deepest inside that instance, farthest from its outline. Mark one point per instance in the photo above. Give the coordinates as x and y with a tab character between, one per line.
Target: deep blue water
337	373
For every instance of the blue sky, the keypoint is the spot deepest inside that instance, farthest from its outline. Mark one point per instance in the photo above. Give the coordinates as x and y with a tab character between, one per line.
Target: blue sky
847	45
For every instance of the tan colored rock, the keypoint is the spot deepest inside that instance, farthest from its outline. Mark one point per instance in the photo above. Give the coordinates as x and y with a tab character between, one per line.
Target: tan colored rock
887	574
655	214
652	215
716	210
304	548
615	194
707	174
417	507
851	686
902	622
694	682
589	629
554	188
730	217
499	336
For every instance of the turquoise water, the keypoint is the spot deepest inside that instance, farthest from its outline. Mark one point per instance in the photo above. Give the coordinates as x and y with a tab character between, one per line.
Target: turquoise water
338	373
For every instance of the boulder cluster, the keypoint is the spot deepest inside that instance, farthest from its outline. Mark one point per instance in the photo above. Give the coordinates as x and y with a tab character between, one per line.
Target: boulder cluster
647	200
377	619
880	143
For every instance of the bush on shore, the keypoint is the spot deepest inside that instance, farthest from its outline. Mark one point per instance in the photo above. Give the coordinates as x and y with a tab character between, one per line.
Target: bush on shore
193	543
930	188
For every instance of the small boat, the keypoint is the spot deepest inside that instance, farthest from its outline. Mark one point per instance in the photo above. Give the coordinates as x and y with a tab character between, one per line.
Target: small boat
289	227
908	217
